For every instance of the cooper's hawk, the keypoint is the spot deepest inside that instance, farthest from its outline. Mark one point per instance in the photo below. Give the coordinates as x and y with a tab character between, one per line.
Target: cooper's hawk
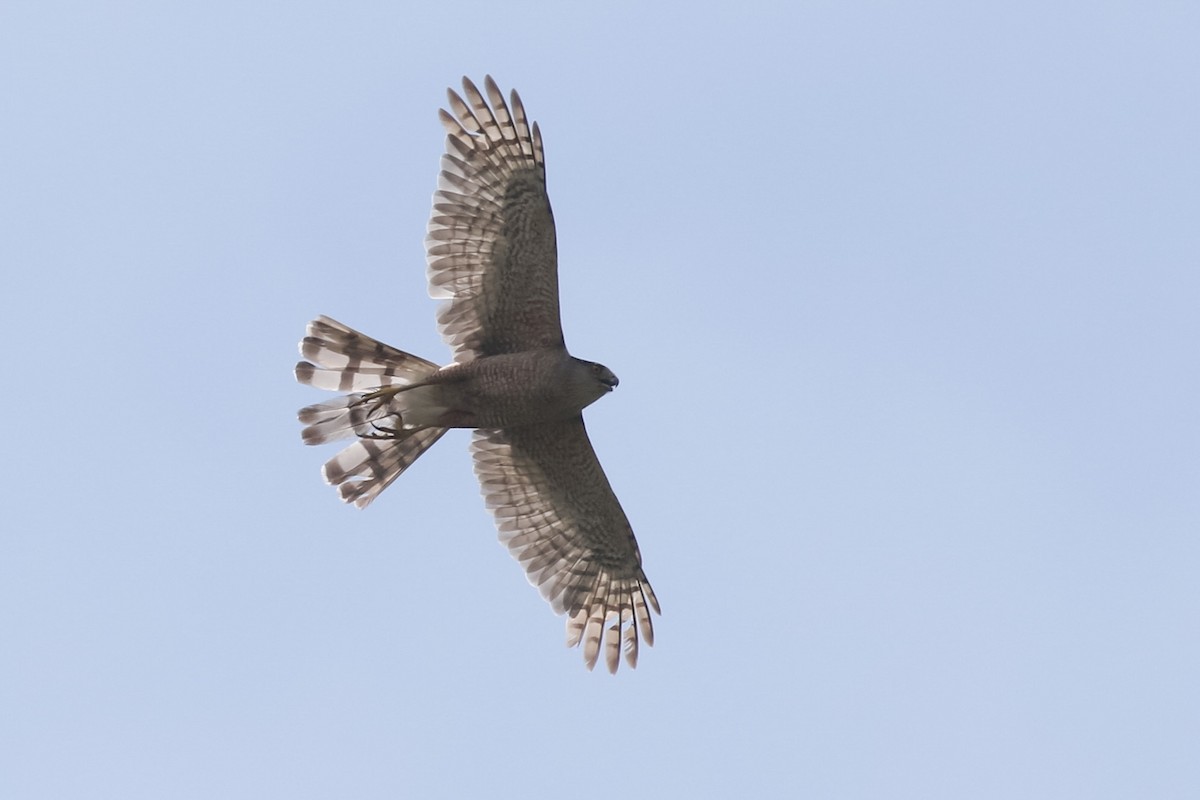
491	255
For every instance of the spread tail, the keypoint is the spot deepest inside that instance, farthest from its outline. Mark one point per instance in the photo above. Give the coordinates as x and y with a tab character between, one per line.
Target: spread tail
379	379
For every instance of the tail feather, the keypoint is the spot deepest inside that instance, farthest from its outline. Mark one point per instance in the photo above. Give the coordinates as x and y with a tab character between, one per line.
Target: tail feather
342	359
343	418
367	467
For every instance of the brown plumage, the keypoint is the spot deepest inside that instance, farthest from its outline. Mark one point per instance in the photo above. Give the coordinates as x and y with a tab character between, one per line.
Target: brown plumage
492	258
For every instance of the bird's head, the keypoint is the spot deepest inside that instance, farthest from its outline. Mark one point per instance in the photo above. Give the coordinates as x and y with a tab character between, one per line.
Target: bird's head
587	382
604	375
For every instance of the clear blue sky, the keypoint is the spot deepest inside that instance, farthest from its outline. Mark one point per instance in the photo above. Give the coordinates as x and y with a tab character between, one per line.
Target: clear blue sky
905	303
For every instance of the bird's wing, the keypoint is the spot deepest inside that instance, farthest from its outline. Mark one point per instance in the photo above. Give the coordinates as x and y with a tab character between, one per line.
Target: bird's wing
490	243
559	517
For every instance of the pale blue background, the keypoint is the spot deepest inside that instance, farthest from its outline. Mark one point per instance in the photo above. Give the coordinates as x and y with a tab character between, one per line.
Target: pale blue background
905	302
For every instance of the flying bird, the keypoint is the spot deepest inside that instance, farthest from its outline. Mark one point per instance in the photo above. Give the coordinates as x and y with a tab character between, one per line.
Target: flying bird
491	253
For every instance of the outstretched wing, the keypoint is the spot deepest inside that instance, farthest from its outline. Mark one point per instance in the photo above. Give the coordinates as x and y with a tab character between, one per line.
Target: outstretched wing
559	517
490	243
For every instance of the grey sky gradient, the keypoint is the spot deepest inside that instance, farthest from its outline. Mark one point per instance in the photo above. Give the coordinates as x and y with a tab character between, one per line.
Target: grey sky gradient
905	303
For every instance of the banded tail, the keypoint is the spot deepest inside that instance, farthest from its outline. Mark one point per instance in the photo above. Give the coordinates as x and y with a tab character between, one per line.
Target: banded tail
381	382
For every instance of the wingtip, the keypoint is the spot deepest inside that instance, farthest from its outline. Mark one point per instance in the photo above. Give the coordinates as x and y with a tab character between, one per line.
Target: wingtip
469	86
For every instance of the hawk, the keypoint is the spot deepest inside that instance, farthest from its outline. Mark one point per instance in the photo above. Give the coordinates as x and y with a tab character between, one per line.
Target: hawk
491	253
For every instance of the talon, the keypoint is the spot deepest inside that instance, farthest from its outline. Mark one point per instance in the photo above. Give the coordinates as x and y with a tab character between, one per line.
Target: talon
382	432
377	402
379	396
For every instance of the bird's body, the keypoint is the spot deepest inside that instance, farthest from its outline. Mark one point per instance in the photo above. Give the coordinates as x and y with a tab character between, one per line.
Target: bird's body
516	389
491	250
504	391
